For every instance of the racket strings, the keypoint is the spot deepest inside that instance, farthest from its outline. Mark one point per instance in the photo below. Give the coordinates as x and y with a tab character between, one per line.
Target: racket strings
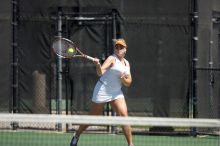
64	49
69	50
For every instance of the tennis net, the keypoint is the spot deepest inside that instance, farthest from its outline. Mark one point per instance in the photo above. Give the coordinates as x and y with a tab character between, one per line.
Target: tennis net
56	130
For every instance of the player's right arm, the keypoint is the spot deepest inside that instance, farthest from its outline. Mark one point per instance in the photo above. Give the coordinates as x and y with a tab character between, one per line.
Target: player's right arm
101	69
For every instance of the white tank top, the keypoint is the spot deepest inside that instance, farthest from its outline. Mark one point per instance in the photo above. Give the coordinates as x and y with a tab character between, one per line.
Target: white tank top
112	76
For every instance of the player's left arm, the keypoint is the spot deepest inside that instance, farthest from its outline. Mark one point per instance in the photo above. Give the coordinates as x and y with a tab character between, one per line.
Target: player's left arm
126	78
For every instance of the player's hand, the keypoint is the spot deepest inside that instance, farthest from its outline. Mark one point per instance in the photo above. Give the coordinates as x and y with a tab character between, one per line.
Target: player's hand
124	75
126	79
96	61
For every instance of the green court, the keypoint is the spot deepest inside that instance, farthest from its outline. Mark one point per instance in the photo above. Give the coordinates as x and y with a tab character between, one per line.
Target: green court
27	138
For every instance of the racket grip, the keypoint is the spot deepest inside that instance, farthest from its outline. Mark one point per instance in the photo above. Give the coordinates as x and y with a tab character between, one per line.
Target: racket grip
89	57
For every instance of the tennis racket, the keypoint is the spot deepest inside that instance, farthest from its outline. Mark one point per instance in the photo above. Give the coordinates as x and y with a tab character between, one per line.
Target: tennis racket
65	48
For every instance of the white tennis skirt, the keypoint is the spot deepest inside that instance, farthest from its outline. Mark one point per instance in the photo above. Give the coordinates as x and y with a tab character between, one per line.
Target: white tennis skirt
103	93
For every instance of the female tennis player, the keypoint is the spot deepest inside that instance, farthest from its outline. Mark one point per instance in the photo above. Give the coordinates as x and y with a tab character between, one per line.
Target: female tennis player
114	73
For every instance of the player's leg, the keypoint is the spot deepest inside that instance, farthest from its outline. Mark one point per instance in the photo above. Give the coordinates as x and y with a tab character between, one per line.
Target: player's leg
95	109
119	105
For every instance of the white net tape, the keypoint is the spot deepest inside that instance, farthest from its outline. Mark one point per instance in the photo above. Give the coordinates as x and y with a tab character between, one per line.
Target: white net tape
113	120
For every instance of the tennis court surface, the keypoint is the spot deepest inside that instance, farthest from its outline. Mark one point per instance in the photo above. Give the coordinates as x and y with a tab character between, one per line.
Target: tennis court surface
57	130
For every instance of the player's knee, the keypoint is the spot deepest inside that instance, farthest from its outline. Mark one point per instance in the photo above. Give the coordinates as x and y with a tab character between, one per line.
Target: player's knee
123	114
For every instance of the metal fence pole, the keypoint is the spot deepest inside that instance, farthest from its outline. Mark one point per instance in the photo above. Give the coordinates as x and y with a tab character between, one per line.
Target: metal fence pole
59	70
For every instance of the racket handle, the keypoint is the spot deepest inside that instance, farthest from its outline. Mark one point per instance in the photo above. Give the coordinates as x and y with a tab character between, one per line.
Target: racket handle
89	57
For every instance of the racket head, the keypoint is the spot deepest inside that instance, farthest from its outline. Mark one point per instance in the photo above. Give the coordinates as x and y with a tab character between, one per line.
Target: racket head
64	48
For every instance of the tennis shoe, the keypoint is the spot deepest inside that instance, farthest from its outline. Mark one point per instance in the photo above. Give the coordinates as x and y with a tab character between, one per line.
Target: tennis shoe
74	141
